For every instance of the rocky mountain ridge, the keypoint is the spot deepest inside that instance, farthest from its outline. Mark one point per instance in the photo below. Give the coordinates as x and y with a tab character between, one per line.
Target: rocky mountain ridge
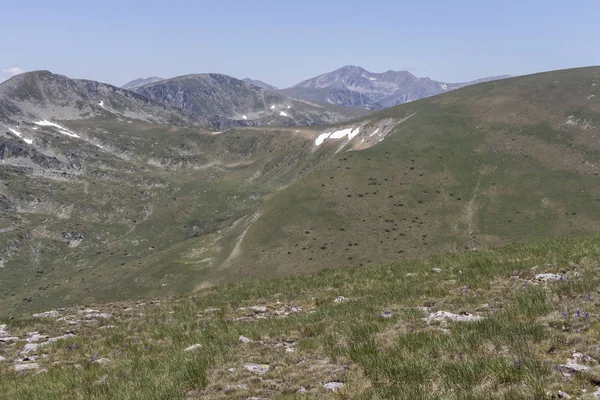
42	95
141	82
226	101
260	84
353	86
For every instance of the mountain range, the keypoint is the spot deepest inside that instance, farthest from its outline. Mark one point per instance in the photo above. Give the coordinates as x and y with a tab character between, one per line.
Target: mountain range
41	95
110	194
227	101
353	86
349	86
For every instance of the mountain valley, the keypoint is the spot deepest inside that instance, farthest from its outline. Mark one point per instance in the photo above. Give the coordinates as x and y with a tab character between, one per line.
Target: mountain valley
113	205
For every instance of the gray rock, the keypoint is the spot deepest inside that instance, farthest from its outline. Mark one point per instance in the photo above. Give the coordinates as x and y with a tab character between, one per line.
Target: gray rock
563	395
259	369
340	299
193	347
97	315
26	367
34	337
47	314
241	386
442	315
580	358
572	368
548	277
244	339
333	386
32	347
258	309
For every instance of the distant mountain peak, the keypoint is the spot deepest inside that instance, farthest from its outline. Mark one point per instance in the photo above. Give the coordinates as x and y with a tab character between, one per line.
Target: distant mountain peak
226	101
260	84
141	82
354	86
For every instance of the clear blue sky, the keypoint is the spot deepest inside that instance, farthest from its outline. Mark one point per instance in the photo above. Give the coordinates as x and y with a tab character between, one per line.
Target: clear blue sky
283	42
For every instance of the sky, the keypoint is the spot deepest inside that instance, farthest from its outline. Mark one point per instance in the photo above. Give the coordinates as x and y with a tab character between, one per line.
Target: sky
284	42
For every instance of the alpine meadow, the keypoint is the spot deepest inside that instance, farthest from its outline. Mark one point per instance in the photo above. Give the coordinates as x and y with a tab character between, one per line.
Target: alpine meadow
356	235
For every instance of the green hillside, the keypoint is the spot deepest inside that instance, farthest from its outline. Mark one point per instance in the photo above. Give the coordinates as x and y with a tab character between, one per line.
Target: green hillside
495	163
515	323
161	210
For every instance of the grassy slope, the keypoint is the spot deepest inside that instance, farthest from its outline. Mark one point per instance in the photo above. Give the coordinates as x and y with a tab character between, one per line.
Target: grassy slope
166	210
491	164
151	206
528	328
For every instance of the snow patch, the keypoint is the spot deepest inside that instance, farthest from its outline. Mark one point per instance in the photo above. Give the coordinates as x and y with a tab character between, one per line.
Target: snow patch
283	114
19	135
321	138
374	132
244	117
444	86
273	107
348	132
61	129
340	134
101	104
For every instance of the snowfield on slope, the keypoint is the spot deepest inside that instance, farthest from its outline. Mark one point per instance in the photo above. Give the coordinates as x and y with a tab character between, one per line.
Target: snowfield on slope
18	134
61	129
348	132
